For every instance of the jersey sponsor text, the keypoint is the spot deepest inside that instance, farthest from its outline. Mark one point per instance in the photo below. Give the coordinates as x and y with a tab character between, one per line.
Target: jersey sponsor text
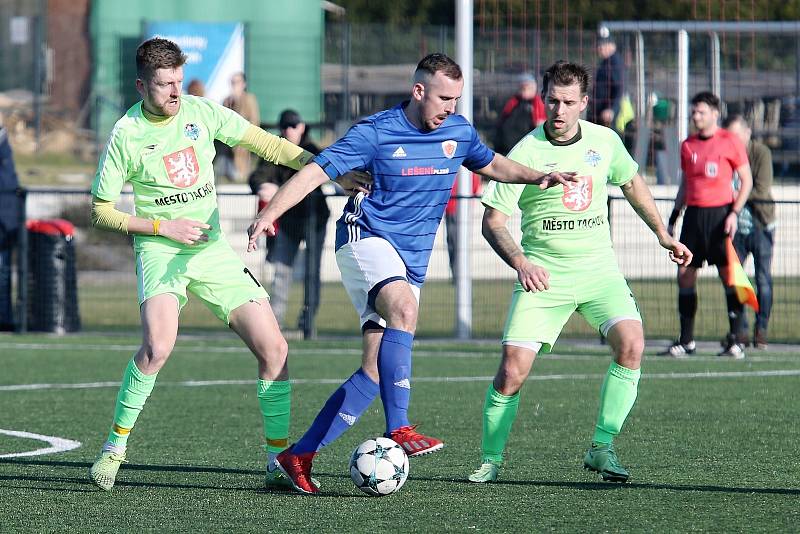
183	198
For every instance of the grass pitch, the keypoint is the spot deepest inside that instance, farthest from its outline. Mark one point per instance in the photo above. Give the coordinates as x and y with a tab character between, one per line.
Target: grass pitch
711	444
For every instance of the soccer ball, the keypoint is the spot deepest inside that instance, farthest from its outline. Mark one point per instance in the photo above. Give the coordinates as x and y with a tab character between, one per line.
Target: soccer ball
379	467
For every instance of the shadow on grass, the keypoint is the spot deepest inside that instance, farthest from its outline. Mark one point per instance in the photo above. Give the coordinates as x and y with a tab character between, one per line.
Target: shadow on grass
595	486
84	480
615	486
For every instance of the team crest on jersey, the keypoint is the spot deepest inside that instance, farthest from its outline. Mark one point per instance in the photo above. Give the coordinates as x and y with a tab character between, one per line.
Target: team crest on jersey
449	148
712	168
182	167
192	131
577	195
592	158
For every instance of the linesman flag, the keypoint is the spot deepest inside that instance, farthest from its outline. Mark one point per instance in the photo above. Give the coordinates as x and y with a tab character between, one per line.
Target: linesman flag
737	278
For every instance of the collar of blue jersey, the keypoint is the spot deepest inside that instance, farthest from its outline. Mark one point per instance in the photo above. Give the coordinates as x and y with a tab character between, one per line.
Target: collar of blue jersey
553	141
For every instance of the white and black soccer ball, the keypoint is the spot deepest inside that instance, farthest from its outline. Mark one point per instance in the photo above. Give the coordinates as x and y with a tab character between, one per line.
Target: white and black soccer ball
379	467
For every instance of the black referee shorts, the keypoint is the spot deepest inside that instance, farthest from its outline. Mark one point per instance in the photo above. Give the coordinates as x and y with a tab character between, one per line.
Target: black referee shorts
704	233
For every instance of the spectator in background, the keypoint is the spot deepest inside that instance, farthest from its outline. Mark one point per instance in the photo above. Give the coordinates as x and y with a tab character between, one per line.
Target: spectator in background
608	86
521	113
756	229
9	227
196	88
295	224
451	221
708	160
236	163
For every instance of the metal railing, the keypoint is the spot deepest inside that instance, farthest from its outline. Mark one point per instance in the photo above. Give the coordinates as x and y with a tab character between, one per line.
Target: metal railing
107	280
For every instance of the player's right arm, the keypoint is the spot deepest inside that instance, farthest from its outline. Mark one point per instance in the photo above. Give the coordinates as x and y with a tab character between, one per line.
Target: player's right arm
105	216
288	195
495	230
112	173
354	151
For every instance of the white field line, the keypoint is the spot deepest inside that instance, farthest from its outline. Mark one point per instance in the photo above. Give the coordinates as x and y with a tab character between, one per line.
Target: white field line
429	379
56	444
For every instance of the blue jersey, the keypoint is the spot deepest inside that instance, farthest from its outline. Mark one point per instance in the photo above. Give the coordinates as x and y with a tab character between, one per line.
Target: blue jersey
413	173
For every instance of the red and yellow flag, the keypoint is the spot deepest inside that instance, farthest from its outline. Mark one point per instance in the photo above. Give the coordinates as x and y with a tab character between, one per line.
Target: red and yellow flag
737	278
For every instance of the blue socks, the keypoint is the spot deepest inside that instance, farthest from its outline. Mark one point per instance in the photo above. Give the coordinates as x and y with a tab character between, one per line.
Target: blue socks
394	367
352	398
341	412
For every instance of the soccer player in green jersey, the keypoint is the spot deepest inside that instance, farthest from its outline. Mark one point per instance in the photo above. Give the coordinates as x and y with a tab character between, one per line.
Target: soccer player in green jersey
566	263
164	147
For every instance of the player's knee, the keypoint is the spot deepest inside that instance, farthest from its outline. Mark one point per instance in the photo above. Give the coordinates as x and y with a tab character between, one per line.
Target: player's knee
509	380
156	353
404	316
629	353
274	352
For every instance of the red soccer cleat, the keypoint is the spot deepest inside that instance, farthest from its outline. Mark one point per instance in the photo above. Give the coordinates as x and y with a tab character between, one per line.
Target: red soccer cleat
414	443
298	468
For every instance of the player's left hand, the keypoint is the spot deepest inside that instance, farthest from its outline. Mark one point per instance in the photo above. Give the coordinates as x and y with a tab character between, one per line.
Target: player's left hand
355	182
678	252
564	178
260	226
731	224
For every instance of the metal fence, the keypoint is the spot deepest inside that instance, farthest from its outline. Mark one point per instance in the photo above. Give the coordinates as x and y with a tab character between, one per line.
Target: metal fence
367	67
107	280
48	96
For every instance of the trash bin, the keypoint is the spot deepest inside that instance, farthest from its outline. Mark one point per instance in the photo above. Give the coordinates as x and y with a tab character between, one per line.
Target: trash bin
52	286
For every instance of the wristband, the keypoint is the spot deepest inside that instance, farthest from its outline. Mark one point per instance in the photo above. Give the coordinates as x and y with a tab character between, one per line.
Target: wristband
156	224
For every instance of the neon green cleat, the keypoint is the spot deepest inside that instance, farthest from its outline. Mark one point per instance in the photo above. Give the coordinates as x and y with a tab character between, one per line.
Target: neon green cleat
602	459
104	471
487	472
276	479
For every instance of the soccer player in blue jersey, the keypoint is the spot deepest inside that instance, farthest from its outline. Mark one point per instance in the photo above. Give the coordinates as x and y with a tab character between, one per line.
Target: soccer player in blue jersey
383	243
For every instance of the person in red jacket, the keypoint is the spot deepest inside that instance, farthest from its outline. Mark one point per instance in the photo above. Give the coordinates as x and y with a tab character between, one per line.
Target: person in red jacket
521	113
708	161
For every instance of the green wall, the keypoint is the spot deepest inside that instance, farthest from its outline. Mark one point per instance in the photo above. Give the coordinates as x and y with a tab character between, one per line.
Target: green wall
283	50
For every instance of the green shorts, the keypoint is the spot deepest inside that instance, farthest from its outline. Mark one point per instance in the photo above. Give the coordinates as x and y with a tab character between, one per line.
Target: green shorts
539	317
214	273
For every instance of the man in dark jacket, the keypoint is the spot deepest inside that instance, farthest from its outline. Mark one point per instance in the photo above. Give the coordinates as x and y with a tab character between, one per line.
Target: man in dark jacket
756	231
608	86
9	227
521	113
307	220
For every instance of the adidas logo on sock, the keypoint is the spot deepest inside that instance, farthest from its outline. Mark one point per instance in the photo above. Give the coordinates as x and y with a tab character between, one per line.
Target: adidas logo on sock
399	153
349	419
404	383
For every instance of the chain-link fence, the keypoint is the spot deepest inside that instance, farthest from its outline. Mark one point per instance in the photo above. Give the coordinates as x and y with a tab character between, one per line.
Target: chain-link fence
107	295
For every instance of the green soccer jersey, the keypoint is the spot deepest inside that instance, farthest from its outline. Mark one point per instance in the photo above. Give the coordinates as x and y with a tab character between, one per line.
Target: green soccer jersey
566	228
169	165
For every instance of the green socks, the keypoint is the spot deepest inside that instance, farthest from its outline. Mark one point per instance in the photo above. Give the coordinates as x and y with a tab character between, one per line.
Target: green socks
275	400
616	400
499	412
133	393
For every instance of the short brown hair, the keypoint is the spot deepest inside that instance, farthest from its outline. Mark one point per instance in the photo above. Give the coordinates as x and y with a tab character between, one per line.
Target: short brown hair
706	97
433	63
564	73
157	53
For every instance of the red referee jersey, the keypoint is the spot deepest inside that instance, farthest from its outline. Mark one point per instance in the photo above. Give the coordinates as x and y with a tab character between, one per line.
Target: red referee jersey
708	166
